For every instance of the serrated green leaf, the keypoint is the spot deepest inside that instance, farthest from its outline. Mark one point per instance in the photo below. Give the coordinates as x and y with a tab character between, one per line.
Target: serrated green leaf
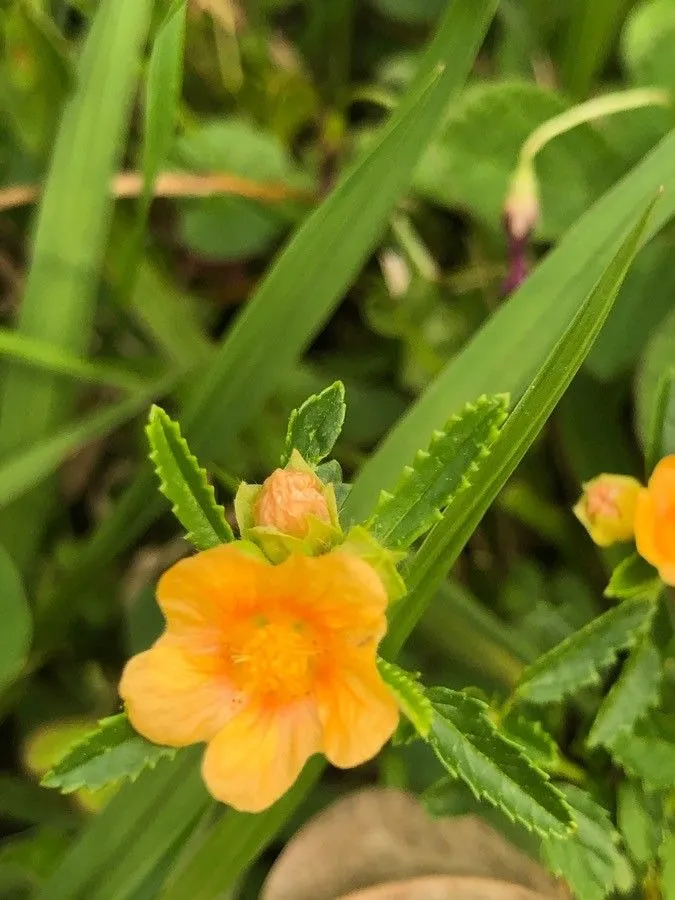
410	696
635	691
577	661
639	818
588	859
185	484
315	426
438	474
662	438
110	753
531	736
667	858
470	747
633	577
649	753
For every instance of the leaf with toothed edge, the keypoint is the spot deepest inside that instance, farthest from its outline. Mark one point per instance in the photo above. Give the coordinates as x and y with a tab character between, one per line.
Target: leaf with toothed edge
438	474
410	696
111	752
314	427
471	747
185	484
577	661
632	695
588	859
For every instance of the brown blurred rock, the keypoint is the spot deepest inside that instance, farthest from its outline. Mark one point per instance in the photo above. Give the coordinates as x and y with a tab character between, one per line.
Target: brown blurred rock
377	835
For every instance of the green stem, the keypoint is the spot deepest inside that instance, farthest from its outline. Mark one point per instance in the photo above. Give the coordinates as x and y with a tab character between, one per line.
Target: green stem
607	105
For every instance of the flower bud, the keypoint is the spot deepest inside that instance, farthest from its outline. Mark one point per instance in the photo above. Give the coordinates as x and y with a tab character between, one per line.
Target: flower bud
293	511
606	508
287	499
521	209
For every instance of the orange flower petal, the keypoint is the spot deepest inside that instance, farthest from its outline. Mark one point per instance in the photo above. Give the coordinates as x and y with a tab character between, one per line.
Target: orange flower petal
357	711
645	526
341	592
655	520
259	754
175	698
198	591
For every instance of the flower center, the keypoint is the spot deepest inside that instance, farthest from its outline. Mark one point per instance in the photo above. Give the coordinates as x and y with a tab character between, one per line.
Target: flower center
274	660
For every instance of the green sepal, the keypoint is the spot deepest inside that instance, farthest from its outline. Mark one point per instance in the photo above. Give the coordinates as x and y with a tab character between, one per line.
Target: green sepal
410	696
471	747
361	543
315	426
438	474
578	661
185	483
633	577
331	473
111	752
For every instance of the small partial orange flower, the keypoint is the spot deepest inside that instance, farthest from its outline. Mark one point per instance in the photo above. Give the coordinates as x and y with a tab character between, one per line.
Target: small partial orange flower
655	520
287	499
268	665
607	508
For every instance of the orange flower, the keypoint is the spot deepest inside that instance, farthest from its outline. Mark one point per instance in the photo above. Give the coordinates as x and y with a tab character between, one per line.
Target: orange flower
655	520
607	508
268	665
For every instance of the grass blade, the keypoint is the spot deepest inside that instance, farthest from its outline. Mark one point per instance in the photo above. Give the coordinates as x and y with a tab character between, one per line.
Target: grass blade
448	537
70	240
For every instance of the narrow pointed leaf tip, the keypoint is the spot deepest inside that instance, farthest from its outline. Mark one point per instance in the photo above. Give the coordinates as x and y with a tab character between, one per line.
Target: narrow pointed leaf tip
439	473
578	661
112	752
314	427
410	696
471	747
185	483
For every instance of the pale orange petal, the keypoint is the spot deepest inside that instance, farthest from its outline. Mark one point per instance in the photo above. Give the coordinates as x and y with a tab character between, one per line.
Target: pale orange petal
357	712
645	526
662	479
259	754
341	592
199	591
175	698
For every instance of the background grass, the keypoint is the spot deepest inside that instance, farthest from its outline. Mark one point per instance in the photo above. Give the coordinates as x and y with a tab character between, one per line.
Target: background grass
316	215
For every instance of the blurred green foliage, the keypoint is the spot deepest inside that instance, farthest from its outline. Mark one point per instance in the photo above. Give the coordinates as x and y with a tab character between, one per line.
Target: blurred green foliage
329	188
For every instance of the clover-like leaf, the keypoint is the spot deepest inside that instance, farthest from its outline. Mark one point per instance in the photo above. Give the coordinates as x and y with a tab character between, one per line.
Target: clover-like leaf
588	858
314	427
438	474
185	484
410	695
578	661
632	695
111	752
471	747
